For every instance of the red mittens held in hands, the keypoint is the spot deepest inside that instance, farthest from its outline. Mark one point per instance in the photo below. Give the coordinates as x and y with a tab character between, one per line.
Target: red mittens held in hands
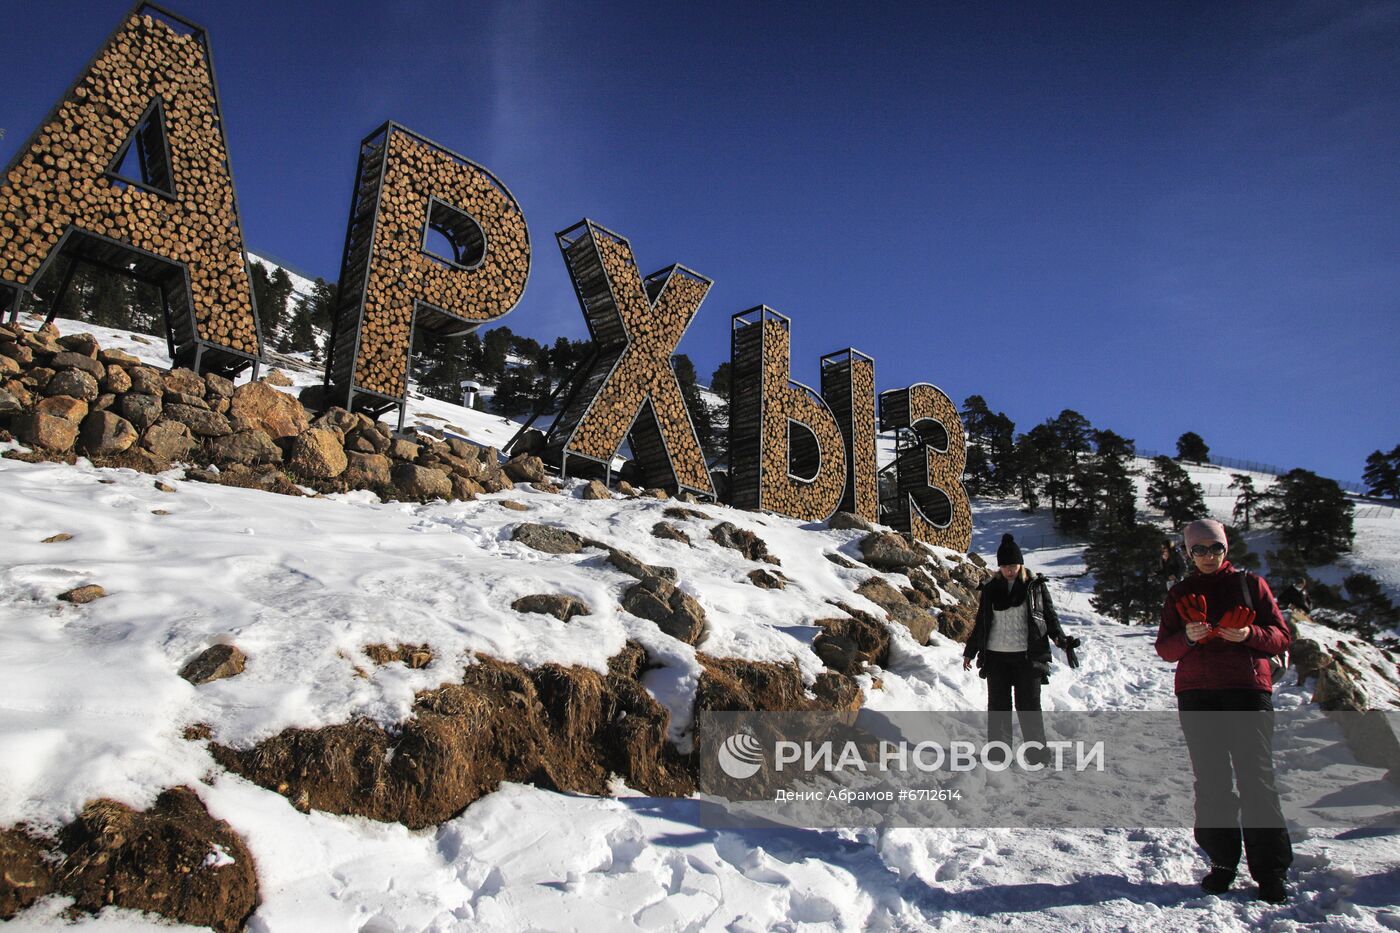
1238	617
1192	608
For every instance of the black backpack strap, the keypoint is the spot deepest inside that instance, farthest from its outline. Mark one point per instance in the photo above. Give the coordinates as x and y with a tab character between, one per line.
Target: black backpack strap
1244	589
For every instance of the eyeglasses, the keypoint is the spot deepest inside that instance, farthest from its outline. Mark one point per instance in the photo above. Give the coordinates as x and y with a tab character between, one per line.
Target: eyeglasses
1201	550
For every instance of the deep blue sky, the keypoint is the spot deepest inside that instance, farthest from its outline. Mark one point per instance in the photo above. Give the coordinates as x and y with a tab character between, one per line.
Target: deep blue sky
1168	216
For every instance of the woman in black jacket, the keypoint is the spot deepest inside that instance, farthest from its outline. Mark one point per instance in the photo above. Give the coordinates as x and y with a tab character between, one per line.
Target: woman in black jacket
1016	622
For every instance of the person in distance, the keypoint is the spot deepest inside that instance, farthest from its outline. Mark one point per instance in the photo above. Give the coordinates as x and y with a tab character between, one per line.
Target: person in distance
1221	627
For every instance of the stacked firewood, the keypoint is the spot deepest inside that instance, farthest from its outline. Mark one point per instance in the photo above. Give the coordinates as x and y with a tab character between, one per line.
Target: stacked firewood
662	437
848	386
59	182
932	505
401	275
765	375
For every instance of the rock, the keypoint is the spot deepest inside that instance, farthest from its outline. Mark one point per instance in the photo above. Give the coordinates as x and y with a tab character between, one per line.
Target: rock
366	470
463	488
367	441
78	361
727	534
169	440
920	624
845	520
768	581
18	352
631	566
525	469
957	621
401	449
117	358
675	612
201	421
38	377
72	382
276	377
886	550
180	398
164	487
83	594
64	406
1309	657
104	401
278	414
531	442
58	538
560	606
338	420
838	653
688	497
9	404
1337	692
214	663
317	453
86	344
626	488
668	532
146	381
116	380
495	482
185	381
977	559
656	492
513	505
841	560
8	367
676	511
141	410
216	386
595	490
103	434
546	538
879	591
421	482
50	432
26	875
248	447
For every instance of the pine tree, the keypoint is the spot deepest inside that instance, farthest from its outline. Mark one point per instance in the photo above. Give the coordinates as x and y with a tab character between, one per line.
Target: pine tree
1382	474
1191	446
1100	490
1312	514
495	347
695	403
1171	489
513	392
719	380
1246	501
1240	554
1124	558
990	468
299	336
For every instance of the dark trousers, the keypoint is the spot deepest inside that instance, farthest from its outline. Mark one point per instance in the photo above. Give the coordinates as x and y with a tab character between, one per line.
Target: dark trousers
1008	674
1242	744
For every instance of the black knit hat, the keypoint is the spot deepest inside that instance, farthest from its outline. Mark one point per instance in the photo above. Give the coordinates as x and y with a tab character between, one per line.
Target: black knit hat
1009	552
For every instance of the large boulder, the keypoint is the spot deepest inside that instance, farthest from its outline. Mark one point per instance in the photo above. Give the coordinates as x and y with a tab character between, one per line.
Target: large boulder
595	490
85	344
73	382
10	404
79	361
103	434
146	381
920	624
169	440
185	381
278	414
886	550
546	538
249	447
525	469
317	453
50	432
141	410
201	421
845	520
366	470
674	611
64	406
418	482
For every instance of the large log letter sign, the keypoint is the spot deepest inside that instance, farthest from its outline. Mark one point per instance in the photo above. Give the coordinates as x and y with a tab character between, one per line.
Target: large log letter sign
130	171
786	453
629	391
435	243
848	386
929	504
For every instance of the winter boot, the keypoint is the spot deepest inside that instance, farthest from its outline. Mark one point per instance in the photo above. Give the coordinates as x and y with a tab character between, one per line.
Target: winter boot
1273	889
1219	879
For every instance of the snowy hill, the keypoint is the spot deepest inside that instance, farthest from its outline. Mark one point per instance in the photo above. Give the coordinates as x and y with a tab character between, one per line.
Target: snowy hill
94	707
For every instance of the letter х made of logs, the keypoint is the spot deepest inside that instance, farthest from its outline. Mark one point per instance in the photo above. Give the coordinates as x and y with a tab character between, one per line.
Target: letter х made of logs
629	390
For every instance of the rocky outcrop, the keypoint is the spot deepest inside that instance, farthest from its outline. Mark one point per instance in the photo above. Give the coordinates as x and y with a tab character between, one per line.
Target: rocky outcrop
214	663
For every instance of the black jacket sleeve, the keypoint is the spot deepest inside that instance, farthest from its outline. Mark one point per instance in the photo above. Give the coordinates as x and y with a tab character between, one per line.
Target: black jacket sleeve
1052	618
978	638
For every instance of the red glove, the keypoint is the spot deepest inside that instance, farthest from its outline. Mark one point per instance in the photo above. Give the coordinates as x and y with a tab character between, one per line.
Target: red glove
1192	608
1238	617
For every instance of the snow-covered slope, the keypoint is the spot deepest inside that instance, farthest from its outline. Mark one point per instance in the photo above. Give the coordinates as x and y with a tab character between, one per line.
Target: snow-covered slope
92	706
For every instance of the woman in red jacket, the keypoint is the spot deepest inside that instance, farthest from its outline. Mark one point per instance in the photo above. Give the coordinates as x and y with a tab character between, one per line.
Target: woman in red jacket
1221	626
